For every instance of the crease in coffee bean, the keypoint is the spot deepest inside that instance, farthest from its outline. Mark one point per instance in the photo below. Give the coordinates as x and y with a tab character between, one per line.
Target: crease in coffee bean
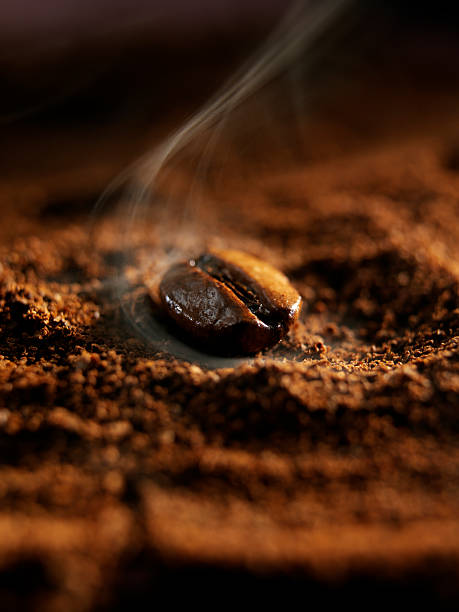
207	264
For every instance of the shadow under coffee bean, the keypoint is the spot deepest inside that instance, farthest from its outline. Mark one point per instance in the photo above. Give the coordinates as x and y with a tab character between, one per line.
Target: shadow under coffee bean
146	318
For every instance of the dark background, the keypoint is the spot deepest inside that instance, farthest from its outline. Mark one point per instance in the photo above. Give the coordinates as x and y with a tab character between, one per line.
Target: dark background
127	73
82	57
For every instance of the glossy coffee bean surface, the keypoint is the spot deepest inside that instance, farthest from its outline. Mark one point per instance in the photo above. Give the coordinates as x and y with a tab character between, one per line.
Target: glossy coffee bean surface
230	302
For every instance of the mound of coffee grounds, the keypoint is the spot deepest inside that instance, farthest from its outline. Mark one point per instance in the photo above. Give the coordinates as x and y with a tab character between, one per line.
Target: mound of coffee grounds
326	467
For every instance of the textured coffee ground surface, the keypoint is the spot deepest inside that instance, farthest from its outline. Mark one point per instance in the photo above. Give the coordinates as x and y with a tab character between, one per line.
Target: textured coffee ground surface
329	464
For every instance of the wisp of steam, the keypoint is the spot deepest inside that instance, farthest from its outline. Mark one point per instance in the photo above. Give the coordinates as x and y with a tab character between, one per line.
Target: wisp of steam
180	229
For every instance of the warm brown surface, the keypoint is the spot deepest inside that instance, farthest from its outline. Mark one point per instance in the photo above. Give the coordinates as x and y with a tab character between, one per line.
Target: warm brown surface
328	468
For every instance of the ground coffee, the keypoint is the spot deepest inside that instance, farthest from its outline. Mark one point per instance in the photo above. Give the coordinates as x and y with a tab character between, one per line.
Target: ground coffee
328	467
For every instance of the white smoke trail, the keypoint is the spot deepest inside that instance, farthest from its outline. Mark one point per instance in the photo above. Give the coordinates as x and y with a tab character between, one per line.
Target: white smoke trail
299	31
304	23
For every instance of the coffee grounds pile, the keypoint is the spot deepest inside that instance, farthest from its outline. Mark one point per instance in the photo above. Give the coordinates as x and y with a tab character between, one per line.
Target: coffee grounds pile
327	467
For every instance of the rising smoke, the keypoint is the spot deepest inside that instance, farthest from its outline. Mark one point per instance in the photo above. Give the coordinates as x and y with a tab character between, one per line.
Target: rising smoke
179	225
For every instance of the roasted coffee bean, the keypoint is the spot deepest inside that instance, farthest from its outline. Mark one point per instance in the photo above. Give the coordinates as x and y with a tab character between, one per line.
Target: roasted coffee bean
230	302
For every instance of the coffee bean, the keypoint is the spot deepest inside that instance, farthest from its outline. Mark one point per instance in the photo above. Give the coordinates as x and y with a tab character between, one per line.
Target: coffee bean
230	302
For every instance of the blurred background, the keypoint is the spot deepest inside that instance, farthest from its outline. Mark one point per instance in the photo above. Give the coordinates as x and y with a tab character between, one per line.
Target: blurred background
111	77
